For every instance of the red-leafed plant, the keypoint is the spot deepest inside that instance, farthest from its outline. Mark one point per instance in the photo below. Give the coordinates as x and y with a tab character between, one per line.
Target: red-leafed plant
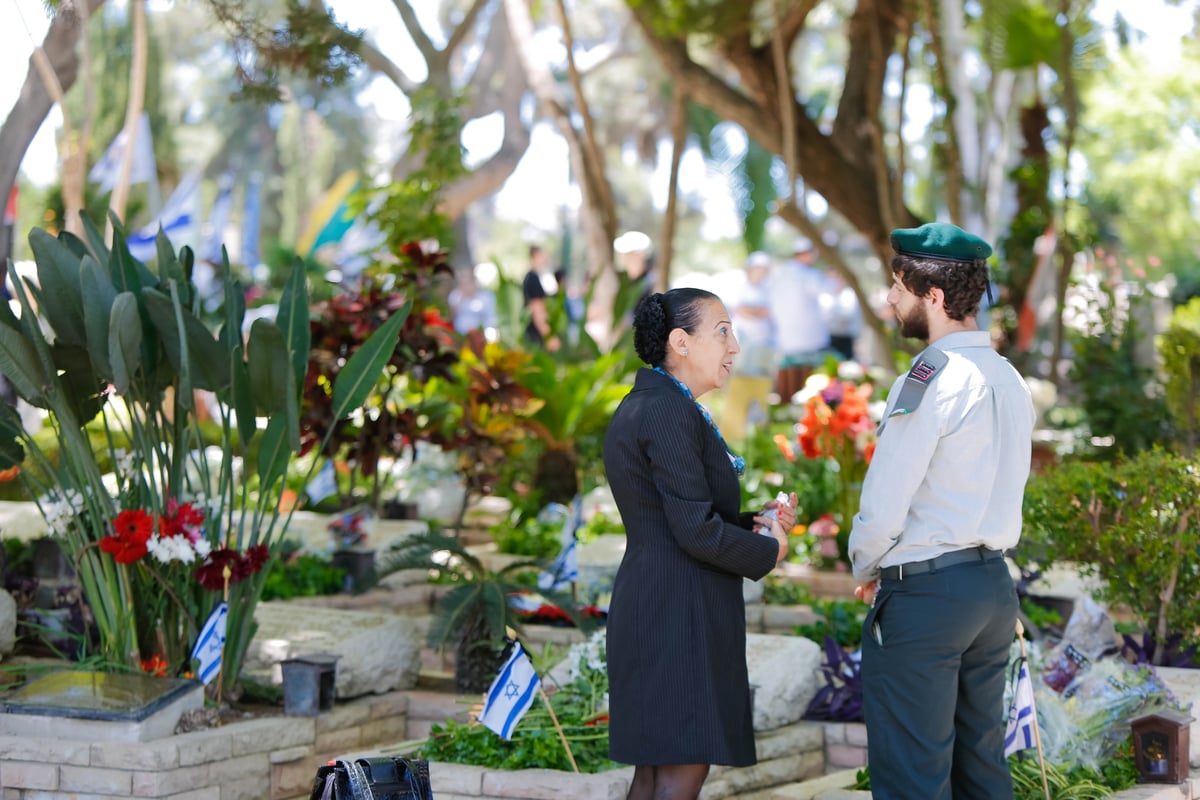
397	412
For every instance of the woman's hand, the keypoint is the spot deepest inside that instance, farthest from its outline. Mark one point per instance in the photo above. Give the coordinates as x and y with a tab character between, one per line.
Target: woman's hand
776	531
786	514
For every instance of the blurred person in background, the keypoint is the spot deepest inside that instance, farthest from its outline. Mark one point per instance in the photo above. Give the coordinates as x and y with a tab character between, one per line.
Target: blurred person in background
472	305
749	389
801	335
538	286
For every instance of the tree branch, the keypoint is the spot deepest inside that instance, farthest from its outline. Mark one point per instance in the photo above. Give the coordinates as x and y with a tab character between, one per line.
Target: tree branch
793	21
377	61
419	37
460	32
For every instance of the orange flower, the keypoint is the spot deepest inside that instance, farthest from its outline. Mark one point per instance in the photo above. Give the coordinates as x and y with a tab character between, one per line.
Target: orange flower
9	474
785	447
155	665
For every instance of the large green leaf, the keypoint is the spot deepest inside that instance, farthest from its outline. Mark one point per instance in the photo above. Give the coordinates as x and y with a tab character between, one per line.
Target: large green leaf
292	319
270	370
241	398
201	355
58	277
358	377
124	341
19	363
12	454
273	453
82	387
95	241
98	296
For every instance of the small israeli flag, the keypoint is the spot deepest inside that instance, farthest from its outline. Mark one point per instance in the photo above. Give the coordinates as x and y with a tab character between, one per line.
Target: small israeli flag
511	693
565	569
1021	715
323	484
210	643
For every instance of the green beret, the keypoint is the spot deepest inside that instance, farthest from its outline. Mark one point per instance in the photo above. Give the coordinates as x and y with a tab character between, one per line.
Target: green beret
940	240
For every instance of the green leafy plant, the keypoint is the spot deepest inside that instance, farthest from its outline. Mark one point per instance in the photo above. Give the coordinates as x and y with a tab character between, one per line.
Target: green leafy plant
397	413
577	401
777	591
1134	523
474	615
1039	615
161	532
535	744
302	575
1120	397
840	620
1179	346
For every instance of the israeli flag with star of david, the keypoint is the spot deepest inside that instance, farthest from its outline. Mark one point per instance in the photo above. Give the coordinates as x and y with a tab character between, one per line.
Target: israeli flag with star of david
511	694
1021	715
210	644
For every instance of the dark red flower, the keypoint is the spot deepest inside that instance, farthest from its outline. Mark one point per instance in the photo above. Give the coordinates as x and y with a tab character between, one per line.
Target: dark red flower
211	574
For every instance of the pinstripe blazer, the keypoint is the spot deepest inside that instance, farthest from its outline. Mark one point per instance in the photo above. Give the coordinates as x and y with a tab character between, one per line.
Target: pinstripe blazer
677	626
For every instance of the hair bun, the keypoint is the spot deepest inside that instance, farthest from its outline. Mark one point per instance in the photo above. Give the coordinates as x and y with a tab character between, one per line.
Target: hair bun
650	329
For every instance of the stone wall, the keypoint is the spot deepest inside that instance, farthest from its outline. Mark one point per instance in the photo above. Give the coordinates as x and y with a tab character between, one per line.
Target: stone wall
271	758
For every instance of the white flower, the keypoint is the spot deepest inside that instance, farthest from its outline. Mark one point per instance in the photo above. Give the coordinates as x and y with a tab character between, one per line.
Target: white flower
60	509
851	371
124	461
171	548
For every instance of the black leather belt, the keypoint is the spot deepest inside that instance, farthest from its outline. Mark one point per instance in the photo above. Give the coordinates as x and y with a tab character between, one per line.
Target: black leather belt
971	554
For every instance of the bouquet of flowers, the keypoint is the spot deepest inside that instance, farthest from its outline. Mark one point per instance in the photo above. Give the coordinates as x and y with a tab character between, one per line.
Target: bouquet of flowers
838	424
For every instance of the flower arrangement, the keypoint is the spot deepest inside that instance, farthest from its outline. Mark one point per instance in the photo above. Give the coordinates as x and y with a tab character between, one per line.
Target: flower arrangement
838	425
153	467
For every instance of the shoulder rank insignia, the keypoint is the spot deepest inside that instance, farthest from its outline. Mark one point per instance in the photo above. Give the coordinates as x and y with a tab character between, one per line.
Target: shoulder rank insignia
925	367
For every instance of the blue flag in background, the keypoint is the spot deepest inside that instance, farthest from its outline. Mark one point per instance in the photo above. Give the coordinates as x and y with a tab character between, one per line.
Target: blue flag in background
210	643
1021	715
511	693
565	569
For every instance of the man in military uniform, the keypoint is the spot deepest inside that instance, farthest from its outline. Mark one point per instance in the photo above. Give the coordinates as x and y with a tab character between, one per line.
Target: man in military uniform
940	503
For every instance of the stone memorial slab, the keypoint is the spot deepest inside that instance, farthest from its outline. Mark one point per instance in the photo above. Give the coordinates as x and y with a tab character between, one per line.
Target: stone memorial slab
377	652
785	672
312	531
103	706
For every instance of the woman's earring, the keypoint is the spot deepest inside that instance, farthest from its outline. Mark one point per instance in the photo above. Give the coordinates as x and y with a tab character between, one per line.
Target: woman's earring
685	352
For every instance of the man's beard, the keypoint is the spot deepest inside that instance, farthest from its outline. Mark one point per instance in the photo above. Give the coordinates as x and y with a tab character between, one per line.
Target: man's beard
916	325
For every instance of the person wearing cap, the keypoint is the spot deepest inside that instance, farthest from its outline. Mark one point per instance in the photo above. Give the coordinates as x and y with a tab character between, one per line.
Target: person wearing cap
940	503
801	334
749	388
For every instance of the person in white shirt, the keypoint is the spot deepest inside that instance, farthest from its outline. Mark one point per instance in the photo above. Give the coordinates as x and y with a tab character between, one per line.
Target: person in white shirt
801	335
940	503
748	391
843	317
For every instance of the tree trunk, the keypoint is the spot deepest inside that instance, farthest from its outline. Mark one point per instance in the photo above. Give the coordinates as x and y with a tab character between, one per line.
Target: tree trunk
137	98
34	101
679	139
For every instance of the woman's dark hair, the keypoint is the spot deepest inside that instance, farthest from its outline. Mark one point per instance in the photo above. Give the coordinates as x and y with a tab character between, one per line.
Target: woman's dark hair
962	282
658	314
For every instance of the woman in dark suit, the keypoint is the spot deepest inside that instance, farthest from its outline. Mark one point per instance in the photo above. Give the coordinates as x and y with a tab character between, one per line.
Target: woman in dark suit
679	694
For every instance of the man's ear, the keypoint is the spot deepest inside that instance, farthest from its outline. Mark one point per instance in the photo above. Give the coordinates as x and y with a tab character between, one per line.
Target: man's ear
937	296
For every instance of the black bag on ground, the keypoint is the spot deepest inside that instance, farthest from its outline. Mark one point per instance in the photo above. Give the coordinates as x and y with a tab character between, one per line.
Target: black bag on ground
379	778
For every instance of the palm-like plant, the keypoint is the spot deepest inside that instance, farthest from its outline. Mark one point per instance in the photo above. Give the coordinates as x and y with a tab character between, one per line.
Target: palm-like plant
474	614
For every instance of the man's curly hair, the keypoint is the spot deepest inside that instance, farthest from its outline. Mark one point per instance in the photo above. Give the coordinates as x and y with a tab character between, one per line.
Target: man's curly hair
962	282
